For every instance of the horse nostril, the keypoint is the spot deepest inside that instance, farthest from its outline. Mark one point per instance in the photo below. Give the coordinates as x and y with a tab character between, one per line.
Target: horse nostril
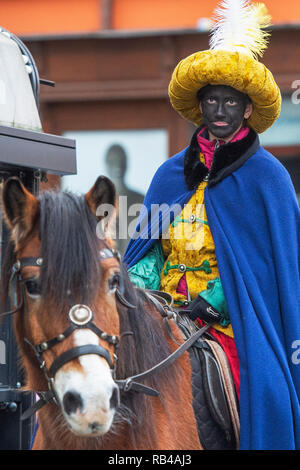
72	402
94	426
115	398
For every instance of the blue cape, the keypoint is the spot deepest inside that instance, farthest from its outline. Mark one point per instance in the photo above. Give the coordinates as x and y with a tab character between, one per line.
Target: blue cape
254	218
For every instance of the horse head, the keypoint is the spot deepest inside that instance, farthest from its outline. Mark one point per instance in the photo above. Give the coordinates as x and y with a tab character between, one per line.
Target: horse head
66	278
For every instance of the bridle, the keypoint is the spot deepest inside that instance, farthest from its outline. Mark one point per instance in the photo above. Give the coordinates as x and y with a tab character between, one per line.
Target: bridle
81	316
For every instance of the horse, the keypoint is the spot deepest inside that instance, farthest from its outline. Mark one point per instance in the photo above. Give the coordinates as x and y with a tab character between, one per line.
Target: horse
83	329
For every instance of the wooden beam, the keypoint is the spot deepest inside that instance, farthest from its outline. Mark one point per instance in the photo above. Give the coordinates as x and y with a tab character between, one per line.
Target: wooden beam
113	90
286	152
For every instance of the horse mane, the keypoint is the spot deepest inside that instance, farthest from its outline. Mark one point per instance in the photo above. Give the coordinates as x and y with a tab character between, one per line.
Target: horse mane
66	221
145	348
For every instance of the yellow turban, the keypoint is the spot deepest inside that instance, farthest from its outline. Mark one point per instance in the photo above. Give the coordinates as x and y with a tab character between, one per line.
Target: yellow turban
237	68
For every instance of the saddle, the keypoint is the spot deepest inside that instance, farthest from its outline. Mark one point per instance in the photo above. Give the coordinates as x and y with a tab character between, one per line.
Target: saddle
215	402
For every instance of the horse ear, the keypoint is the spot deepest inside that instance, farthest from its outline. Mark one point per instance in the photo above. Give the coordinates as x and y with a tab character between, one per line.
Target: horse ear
103	193
19	208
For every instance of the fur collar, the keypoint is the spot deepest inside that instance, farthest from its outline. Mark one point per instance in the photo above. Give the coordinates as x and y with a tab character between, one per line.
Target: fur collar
227	158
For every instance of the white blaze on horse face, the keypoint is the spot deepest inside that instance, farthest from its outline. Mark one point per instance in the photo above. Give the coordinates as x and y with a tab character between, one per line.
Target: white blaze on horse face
91	385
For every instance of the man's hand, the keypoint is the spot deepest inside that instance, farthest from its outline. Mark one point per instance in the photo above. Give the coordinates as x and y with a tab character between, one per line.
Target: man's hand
199	308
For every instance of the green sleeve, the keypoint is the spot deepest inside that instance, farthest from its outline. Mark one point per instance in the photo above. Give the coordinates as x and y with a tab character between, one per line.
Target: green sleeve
146	273
214	295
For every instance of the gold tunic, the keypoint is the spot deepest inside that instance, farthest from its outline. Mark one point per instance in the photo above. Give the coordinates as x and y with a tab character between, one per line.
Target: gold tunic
189	249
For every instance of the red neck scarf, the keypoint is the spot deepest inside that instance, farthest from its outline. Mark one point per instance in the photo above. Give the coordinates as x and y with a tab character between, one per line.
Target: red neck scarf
208	146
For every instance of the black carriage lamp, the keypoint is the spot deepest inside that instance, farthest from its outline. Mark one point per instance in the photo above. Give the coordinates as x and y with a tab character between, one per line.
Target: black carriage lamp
17	108
29	153
24	146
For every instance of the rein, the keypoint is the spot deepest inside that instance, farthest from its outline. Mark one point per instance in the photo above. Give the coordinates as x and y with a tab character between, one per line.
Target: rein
81	316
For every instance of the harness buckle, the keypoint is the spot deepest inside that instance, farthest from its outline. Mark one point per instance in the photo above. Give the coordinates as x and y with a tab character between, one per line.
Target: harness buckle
51	387
16	266
128	385
114	368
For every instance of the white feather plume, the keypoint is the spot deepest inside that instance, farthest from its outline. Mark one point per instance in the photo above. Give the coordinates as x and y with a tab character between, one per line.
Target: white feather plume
239	26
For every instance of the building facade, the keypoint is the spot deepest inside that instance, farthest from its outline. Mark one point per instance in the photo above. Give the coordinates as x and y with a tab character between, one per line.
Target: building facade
112	60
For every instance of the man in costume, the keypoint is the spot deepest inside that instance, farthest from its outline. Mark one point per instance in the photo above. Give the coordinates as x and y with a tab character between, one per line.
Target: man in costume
220	226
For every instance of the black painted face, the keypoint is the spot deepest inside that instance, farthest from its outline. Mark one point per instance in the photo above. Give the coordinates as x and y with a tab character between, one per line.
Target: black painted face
223	109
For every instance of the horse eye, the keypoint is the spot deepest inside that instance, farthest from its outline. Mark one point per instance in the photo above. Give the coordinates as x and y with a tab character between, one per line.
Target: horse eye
114	282
33	288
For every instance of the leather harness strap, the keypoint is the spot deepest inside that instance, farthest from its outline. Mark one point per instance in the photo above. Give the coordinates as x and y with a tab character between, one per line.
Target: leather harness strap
166	362
73	353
